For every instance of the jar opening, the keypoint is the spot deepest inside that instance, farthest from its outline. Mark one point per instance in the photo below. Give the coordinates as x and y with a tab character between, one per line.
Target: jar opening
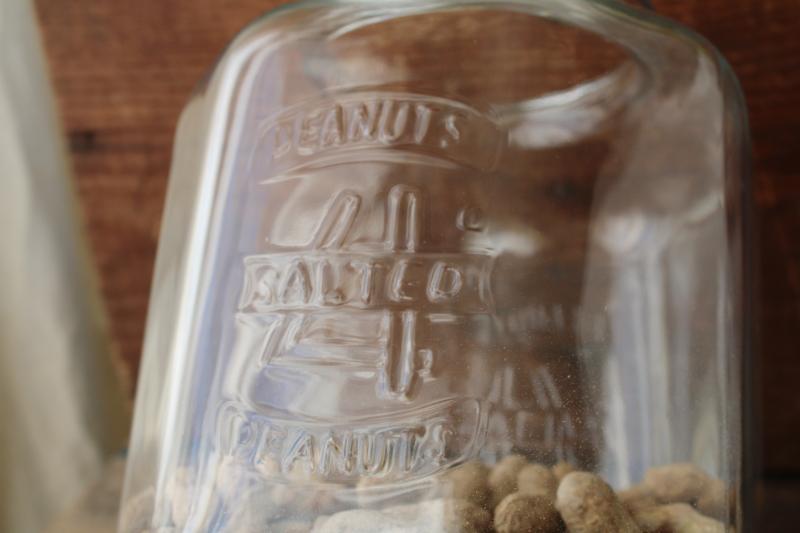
513	65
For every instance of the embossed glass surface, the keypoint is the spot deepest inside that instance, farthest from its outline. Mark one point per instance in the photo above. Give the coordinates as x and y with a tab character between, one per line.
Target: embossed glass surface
402	237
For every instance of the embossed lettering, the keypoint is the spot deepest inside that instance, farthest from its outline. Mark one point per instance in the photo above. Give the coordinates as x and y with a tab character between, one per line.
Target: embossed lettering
300	454
441	434
326	293
405	446
423	122
452	128
403	218
420	444
392	124
234	433
332	133
545	428
403	359
296	284
271	442
282	335
336	454
547	320
283	140
371	458
379	119
363	120
285	295
397	277
367	271
444	283
263	293
308	133
337	221
380	280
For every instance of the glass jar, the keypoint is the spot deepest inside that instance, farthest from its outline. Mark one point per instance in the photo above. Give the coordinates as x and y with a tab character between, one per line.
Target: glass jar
449	266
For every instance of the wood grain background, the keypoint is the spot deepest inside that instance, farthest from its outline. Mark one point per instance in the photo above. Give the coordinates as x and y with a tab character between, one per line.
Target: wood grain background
124	69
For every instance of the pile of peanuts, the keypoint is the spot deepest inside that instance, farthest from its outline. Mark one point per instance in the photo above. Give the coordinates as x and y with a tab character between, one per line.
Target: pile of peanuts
513	496
520	497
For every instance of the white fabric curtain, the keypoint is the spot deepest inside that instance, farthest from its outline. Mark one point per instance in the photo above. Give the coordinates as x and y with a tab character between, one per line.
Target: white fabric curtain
61	407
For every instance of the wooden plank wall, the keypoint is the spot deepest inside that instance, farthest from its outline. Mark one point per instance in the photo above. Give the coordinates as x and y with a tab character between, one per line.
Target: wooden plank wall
124	69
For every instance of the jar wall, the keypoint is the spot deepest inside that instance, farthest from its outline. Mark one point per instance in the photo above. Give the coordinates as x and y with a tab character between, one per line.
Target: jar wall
401	238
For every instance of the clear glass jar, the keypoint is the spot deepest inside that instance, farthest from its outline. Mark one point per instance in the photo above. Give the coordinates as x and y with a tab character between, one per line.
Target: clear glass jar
412	248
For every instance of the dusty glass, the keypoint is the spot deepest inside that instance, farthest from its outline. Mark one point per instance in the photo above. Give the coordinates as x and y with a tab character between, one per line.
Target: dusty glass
422	259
